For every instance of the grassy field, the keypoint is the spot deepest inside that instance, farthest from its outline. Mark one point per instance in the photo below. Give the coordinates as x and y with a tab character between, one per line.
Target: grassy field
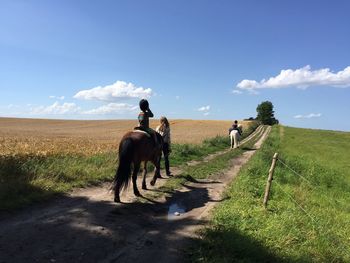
42	158
306	221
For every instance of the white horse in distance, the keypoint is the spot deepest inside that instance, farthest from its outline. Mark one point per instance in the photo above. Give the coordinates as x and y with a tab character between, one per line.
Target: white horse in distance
235	137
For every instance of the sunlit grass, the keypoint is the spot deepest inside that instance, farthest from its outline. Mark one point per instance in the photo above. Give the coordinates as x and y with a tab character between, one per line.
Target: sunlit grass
243	231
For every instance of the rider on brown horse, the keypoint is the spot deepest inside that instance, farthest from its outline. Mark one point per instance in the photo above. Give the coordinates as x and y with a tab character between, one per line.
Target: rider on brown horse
135	148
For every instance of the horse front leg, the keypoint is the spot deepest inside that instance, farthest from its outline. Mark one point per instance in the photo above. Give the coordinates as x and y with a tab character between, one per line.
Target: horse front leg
134	177
144	185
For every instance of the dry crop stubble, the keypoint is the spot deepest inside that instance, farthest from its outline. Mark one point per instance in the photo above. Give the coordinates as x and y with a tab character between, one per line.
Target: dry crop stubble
45	137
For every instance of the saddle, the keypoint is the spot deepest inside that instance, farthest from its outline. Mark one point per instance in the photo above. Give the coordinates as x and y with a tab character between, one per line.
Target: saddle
152	135
139	129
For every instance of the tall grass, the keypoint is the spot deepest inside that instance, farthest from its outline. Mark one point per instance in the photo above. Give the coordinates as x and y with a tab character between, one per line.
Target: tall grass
204	170
243	231
29	178
182	153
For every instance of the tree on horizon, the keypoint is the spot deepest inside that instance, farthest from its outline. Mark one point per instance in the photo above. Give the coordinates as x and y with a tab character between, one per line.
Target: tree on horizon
266	113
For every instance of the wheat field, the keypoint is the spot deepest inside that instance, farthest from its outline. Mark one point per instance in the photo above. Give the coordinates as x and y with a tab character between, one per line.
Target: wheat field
41	136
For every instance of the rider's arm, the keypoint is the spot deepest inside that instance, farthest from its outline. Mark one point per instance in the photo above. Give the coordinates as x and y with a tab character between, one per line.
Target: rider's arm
150	113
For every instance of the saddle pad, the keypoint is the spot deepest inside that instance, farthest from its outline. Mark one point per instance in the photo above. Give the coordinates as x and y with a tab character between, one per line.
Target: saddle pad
142	132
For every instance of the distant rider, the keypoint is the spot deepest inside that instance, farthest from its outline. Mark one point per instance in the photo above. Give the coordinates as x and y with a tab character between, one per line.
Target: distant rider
235	127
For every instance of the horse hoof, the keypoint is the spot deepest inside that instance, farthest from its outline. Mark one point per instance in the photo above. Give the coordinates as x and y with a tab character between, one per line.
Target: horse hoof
144	187
117	199
153	183
137	194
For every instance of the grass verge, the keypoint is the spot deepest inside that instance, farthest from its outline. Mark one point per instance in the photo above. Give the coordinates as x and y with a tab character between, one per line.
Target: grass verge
204	169
241	230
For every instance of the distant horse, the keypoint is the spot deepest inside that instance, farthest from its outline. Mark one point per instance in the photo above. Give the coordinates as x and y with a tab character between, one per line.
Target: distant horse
235	137
135	147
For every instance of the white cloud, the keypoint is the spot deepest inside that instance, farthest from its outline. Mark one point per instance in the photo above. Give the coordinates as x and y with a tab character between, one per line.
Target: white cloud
236	91
56	108
204	108
116	91
253	92
113	108
301	78
12	106
57	97
308	116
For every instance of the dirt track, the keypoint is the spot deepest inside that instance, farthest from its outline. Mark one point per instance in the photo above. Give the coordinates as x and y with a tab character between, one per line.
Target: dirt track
87	226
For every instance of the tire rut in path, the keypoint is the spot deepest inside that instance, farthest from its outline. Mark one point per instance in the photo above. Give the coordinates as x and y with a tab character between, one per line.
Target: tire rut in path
88	227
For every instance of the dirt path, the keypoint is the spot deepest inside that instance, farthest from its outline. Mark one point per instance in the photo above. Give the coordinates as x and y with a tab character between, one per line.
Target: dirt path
87	226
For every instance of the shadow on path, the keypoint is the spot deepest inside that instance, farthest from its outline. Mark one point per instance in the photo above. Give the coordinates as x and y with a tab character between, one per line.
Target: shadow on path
83	230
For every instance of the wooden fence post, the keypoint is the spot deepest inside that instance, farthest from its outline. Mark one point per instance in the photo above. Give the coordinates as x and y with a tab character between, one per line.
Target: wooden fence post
269	179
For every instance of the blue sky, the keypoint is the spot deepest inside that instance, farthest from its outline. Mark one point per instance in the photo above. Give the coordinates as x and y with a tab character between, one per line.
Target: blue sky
191	59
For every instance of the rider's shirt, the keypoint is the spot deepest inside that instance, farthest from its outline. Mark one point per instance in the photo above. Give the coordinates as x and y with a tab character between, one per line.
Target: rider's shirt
144	119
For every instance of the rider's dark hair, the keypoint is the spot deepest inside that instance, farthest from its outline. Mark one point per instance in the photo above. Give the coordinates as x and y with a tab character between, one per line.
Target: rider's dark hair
144	105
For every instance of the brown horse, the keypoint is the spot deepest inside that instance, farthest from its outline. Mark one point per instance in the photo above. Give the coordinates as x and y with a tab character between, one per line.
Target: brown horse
135	147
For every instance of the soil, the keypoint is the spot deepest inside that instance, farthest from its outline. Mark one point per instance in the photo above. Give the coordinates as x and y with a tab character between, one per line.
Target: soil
87	226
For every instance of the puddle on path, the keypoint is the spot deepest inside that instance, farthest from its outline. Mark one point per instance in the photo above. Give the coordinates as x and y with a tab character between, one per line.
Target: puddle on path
175	210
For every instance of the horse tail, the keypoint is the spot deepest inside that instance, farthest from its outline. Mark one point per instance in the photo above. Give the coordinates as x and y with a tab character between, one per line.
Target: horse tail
122	176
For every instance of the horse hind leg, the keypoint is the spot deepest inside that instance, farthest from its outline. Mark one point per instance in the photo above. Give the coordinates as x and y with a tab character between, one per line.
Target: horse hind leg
144	185
134	177
157	171
118	184
117	192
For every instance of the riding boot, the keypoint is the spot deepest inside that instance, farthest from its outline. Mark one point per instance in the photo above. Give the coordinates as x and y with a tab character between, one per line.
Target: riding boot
167	166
